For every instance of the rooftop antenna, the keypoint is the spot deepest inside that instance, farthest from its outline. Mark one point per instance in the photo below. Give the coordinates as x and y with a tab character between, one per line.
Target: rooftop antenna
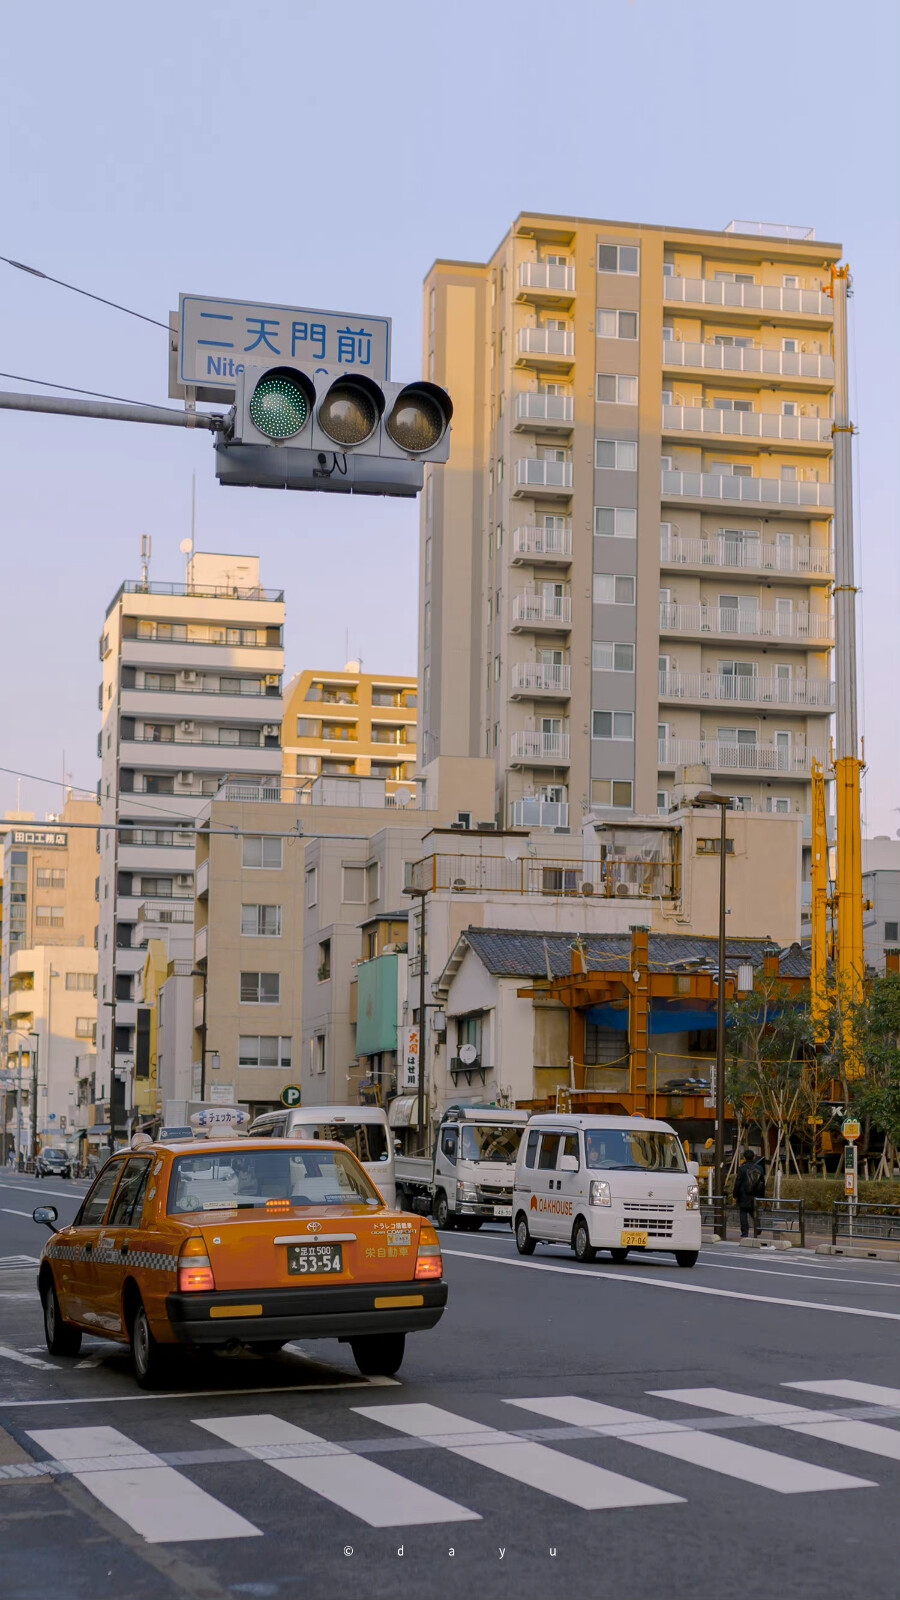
146	545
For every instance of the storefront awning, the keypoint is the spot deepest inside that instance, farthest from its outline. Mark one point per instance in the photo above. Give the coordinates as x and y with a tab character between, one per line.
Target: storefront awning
100	1130
402	1111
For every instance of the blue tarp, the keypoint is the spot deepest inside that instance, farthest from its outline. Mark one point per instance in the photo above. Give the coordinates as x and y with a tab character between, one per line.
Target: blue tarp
666	1016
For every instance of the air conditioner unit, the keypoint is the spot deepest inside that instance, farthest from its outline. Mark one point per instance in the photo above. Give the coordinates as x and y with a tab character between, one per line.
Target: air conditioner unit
184	880
271	680
271	730
185	777
622	889
188	676
587	890
186	727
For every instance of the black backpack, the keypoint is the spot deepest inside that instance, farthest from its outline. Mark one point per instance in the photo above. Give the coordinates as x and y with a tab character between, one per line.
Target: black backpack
756	1182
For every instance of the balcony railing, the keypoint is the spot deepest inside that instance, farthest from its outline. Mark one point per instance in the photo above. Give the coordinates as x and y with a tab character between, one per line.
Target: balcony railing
366	793
545	407
548	276
743	552
746	424
551	610
542	542
546	342
540	677
770	230
741	358
197	591
747	491
155	911
535	746
792	761
752	296
615	878
534	474
815	694
535	813
742	622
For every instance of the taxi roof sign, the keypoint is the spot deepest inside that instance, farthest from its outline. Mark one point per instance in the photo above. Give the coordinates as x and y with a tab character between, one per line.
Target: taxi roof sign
219	1122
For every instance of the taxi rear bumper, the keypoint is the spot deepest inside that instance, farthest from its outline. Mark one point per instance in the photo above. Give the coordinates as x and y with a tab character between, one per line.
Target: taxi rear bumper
335	1311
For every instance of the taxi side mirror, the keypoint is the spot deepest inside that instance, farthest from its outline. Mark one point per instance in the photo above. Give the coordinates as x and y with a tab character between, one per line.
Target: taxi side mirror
568	1164
47	1215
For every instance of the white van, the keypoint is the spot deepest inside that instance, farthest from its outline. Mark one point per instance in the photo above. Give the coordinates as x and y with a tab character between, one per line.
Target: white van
363	1129
605	1183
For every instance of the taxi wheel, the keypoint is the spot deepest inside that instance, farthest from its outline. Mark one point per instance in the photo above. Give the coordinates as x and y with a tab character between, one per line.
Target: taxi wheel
442	1217
686	1258
151	1361
581	1242
619	1253
524	1242
379	1355
62	1339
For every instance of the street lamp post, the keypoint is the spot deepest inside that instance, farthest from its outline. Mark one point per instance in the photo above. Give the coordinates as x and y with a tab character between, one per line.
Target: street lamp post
34	1091
724	804
420	1102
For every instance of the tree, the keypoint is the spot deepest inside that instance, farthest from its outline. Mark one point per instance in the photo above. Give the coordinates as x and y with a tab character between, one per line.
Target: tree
770	1042
878	1094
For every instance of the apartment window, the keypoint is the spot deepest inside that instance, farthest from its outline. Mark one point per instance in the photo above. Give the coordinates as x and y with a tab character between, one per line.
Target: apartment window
373	881
260	922
339	732
713	847
307	766
609	657
741	802
662	802
496	734
499	470
613	725
49	916
50	878
312	877
790	408
309	728
612	792
160	783
791	347
258	851
744	736
611	589
790	281
82	980
499	534
263	1050
157	888
353	886
618	258
428	556
789	474
160	681
85	1028
778	805
619	454
617	389
426	624
338	769
733	341
724	404
496	669
260	988
618	522
323	971
668	331
733	277
317	1051
891	932
616	324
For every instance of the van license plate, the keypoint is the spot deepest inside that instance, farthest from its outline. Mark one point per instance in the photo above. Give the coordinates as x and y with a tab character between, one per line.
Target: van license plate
634	1237
503	1211
315	1260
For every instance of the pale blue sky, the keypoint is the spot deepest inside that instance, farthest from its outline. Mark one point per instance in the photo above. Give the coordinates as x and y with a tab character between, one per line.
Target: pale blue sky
323	153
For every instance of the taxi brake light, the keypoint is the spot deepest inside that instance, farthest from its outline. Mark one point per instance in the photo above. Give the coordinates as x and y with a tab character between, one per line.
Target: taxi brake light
278	1205
429	1267
195	1275
428	1259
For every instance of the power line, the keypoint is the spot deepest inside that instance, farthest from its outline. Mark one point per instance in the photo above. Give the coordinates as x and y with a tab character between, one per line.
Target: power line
72	389
36	273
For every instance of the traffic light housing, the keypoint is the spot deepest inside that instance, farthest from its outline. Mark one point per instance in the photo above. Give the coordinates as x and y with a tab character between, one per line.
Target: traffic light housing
344	433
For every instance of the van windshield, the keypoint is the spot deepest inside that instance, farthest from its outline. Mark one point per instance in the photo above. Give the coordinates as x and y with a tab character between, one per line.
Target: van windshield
367	1140
632	1150
489	1144
247	1179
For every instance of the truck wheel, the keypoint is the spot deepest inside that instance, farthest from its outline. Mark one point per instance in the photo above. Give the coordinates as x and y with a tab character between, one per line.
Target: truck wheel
62	1339
524	1242
619	1254
581	1242
686	1258
379	1355
442	1217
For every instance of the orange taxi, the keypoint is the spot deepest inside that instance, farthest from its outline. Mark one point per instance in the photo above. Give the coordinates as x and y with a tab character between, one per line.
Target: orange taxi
222	1242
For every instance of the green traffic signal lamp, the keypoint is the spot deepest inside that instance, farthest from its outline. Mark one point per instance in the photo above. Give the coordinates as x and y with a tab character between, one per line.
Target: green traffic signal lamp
281	403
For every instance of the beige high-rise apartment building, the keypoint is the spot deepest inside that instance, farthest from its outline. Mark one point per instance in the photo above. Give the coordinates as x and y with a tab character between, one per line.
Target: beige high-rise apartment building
626	562
349	724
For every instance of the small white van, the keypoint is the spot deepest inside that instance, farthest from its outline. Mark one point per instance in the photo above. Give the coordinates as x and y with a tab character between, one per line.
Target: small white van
363	1129
605	1183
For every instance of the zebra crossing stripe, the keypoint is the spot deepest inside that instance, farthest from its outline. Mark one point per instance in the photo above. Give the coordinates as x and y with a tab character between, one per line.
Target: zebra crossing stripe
580	1483
872	1394
371	1492
154	1500
699	1449
845	1431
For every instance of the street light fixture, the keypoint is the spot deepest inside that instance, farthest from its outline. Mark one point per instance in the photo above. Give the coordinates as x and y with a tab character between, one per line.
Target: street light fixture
707	798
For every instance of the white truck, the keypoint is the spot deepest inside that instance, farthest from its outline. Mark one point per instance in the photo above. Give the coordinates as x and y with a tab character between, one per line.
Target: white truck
469	1177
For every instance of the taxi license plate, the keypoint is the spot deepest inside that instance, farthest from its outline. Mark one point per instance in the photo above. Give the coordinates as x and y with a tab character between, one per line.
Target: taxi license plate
315	1260
503	1211
633	1237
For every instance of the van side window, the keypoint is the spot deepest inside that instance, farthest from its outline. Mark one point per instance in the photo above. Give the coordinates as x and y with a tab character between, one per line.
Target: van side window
531	1147
448	1144
549	1148
570	1146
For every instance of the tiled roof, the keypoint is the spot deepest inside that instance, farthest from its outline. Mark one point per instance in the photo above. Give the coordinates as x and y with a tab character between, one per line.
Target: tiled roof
517	953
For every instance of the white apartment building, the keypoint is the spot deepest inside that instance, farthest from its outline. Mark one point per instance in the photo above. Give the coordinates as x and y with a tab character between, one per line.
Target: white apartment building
191	695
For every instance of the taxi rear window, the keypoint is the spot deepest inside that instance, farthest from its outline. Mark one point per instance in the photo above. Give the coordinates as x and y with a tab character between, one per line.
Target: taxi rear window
245	1180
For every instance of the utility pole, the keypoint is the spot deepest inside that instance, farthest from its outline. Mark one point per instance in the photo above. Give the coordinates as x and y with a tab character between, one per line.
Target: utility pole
420	1104
847	763
724	804
819	875
34	1093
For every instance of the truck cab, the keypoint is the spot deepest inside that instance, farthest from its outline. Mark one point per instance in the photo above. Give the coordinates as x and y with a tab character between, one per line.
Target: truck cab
475	1164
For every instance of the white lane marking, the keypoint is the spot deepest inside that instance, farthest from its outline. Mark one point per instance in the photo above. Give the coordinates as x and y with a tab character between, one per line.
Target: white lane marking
580	1483
23	1359
154	1500
371	1492
844	1431
714	1451
12	1212
38	1190
875	1283
591	1273
201	1394
875	1394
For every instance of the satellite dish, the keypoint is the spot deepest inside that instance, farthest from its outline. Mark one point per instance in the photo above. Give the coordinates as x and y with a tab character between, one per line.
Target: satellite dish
186	546
587	889
468	1054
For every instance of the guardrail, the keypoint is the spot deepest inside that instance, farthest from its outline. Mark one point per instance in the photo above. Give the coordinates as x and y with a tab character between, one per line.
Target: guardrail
851	1220
782	1216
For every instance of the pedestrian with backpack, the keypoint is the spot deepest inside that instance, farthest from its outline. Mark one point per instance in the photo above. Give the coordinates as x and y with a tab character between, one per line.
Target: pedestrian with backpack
749	1186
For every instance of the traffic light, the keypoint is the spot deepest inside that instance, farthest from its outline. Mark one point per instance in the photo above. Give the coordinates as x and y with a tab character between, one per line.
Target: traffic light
296	428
